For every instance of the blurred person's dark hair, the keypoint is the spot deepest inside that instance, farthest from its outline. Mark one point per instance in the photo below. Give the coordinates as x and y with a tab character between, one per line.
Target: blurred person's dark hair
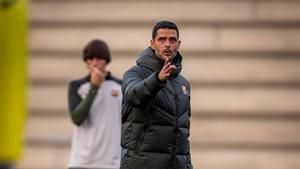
164	24
96	49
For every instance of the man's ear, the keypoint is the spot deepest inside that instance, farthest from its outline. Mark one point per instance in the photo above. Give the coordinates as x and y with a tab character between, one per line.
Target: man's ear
179	42
87	65
152	43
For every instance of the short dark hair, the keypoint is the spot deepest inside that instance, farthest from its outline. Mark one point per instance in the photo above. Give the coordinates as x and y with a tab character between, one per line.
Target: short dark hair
164	24
96	49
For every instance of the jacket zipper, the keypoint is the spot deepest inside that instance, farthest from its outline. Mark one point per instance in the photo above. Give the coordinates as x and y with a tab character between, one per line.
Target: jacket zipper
176	123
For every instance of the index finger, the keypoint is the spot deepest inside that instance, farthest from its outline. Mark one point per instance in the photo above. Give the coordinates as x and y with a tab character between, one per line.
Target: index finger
166	62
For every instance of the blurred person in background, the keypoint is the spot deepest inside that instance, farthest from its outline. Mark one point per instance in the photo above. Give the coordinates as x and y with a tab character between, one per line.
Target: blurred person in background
156	106
13	79
95	109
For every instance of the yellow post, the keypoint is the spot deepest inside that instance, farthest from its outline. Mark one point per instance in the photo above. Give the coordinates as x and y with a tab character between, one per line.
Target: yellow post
13	77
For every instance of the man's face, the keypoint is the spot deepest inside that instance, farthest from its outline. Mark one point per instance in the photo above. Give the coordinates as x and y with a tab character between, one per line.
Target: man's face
95	63
166	43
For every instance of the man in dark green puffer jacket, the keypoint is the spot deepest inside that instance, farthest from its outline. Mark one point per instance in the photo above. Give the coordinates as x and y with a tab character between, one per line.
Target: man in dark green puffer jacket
156	106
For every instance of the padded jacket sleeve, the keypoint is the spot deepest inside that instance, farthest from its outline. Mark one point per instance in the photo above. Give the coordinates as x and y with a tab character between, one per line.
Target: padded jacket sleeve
138	90
189	161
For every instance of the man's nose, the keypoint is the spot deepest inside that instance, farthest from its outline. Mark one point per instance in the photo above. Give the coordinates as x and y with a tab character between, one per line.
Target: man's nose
167	42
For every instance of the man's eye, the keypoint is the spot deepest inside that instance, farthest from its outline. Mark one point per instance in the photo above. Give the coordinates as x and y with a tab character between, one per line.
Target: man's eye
173	40
161	39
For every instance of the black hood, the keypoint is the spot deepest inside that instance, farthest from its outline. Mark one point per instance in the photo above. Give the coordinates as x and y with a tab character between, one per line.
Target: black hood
149	60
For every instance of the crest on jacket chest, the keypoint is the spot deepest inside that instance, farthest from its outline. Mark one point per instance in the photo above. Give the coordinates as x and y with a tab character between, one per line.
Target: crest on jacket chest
184	90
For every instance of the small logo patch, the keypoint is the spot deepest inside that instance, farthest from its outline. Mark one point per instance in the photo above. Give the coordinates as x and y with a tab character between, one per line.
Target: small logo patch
114	92
184	91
